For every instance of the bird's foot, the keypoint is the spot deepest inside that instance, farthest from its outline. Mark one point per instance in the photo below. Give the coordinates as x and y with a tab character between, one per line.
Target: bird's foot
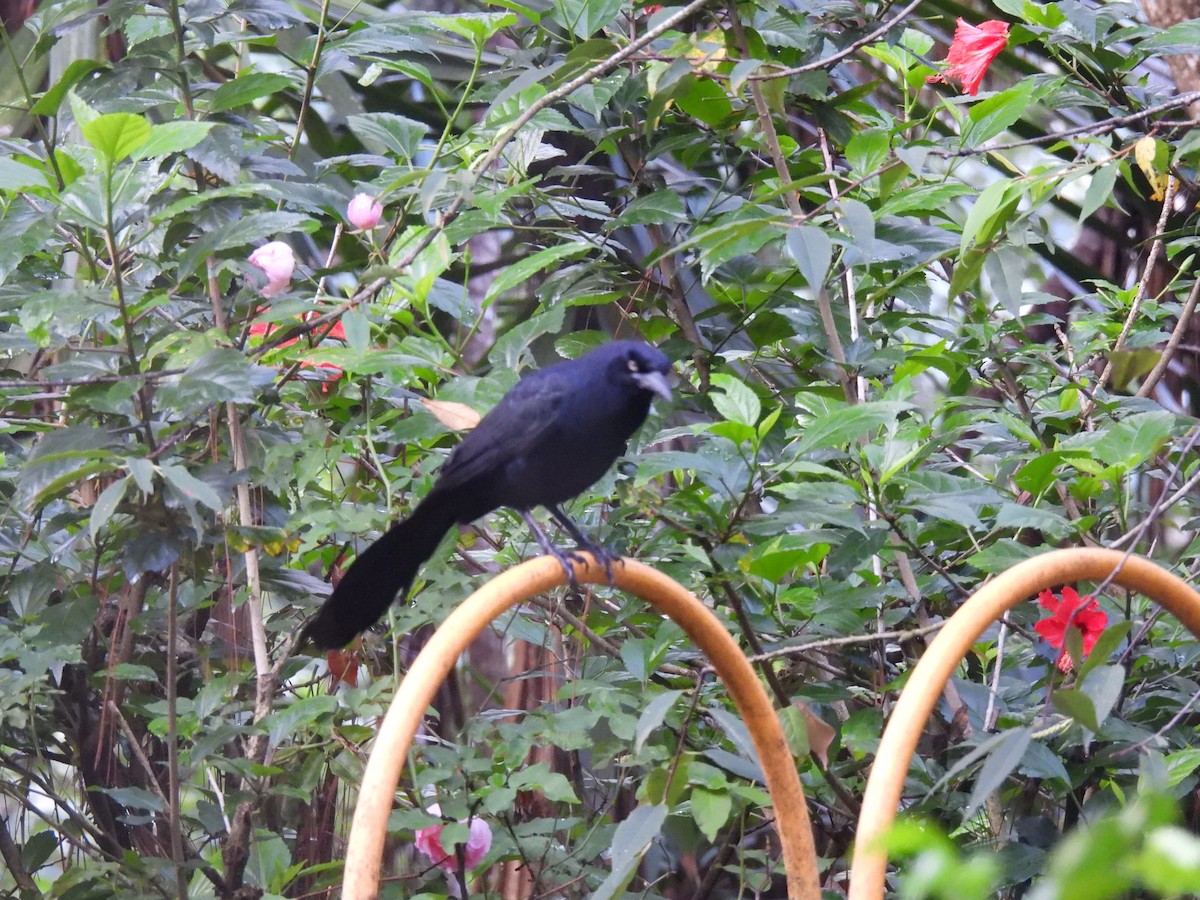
606	556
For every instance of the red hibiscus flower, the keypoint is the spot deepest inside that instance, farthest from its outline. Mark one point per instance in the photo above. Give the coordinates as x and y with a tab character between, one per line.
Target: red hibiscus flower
972	52
337	331
1072	611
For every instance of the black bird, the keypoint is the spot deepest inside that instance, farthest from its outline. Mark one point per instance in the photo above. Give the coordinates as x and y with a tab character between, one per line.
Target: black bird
549	438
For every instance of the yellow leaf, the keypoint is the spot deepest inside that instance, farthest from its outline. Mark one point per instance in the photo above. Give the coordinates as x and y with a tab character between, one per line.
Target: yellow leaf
457	416
1147	153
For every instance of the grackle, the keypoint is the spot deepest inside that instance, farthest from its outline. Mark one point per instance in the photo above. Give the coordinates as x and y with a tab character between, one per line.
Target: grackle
549	438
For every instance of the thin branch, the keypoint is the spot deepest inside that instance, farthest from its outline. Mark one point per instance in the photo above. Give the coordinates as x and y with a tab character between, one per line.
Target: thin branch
1135	307
1181	327
907	634
845	51
1102	127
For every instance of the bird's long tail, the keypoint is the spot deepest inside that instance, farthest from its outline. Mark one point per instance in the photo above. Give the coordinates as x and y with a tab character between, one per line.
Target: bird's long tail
379	573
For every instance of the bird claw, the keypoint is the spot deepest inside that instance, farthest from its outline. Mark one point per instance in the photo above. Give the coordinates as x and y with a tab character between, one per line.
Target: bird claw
599	553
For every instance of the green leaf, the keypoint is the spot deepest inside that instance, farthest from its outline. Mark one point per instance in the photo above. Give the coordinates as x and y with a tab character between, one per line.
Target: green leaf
1182	38
358	330
654	209
653	715
62	459
192	487
706	101
524	269
795	730
1134	440
477	27
116	135
1005	269
711	810
222	375
286	724
991	208
1078	706
78	70
1099	190
1106	645
136	798
867	151
812	251
16	176
841	426
1003	758
734	400
586	17
388	131
554	785
172	137
38	849
991	116
1103	686
248	88
630	843
106	505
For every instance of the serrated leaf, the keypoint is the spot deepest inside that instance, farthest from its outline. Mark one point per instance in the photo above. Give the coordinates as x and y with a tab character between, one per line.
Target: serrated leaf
192	487
248	88
286	723
220	376
388	131
172	137
116	135
734	400
1135	439
841	426
63	458
586	17
524	269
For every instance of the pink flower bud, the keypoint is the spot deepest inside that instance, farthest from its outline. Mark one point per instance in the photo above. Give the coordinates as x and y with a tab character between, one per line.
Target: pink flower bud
278	263
479	842
364	212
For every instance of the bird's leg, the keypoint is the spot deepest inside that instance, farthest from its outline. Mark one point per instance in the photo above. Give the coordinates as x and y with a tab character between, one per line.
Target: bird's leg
604	555
566	560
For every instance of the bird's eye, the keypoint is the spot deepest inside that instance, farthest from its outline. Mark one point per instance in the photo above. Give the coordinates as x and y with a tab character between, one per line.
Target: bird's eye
633	366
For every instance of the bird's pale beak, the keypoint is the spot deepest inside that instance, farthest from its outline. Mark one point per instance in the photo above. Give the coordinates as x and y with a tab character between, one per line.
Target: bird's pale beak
654	382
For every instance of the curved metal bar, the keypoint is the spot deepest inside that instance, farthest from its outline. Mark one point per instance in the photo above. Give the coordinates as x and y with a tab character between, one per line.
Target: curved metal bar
950	647
365	850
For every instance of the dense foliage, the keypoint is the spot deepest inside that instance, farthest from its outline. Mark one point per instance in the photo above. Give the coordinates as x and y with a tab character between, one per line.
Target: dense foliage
920	336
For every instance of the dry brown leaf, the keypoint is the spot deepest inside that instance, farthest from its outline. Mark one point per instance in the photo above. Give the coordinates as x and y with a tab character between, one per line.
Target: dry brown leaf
458	416
820	732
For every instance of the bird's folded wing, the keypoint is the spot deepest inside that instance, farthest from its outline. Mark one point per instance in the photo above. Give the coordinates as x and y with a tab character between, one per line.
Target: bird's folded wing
525	417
